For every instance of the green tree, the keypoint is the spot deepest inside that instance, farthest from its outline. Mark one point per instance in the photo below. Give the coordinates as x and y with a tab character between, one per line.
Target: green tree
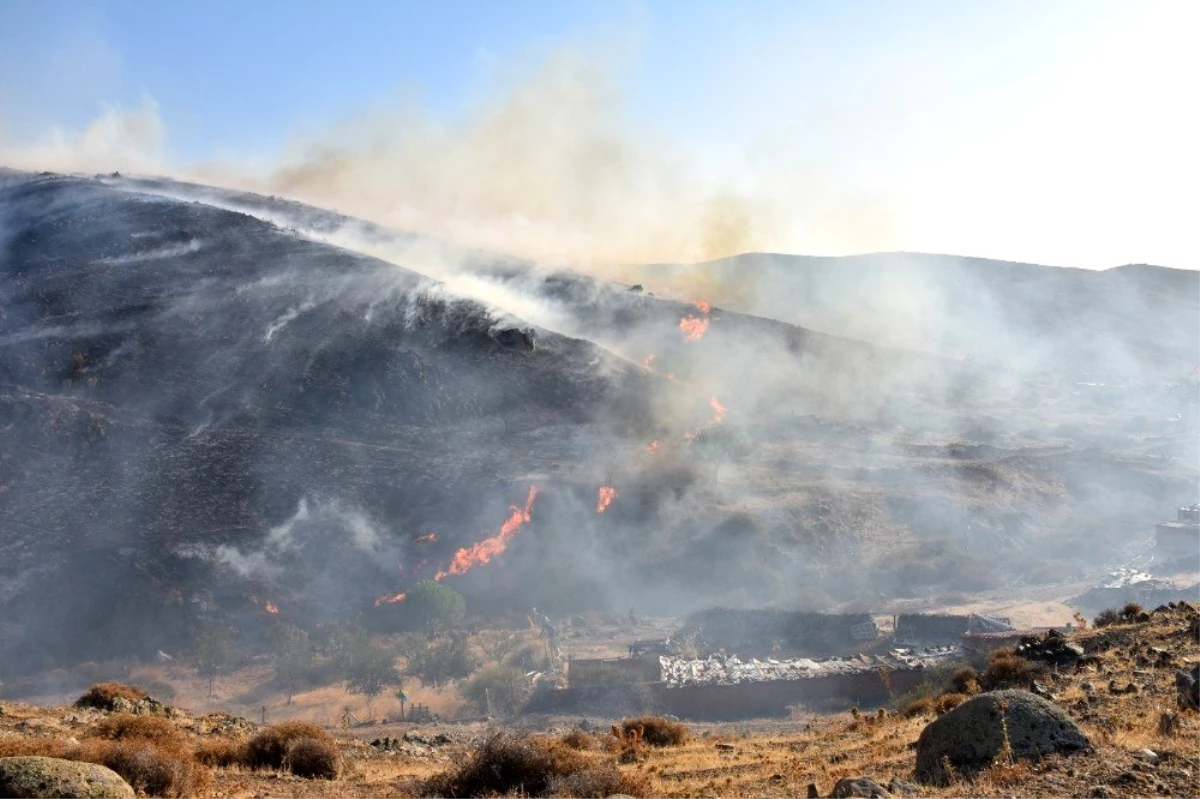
343	646
497	690
292	653
371	670
213	653
441	662
433	606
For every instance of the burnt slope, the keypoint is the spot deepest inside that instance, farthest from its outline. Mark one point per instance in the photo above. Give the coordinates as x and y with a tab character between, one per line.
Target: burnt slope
177	380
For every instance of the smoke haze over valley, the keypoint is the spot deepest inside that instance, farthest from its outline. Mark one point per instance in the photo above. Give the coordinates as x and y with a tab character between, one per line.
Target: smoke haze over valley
441	364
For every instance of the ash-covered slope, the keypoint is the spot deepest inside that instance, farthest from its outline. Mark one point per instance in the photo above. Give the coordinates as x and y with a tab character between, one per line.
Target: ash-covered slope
177	380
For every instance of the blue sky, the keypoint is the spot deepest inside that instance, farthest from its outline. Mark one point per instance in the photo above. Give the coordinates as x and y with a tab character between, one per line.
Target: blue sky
1055	132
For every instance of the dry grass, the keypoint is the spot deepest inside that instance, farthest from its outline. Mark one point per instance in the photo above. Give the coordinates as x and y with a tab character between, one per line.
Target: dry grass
127	725
578	739
221	752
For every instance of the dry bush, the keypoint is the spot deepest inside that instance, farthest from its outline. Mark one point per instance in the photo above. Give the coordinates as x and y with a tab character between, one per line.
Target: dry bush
918	707
1006	669
947	702
1131	611
128	725
965	681
578	739
313	759
657	731
508	763
269	746
154	768
222	752
34	747
103	695
162	767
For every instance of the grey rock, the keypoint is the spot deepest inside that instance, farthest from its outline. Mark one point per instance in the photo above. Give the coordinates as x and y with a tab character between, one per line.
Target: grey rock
1187	683
972	735
860	787
45	777
899	787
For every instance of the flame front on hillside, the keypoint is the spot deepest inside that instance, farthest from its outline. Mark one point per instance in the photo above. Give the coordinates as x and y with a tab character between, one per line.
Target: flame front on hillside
469	557
271	607
719	410
693	327
607	495
391	598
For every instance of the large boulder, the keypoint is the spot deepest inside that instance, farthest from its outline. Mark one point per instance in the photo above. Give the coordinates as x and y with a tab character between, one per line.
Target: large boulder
47	777
1187	684
971	736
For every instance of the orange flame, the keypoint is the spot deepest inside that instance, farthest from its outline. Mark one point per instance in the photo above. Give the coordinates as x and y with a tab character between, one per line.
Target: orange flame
689	435
646	361
607	495
654	446
391	598
482	552
693	327
428	538
703	306
272	607
719	410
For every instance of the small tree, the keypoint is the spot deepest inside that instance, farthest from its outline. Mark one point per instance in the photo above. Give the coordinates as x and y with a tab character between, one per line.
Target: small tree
213	654
441	662
433	606
292	652
372	670
343	646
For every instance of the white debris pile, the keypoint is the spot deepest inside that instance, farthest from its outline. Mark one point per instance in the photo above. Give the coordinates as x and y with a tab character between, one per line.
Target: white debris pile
731	670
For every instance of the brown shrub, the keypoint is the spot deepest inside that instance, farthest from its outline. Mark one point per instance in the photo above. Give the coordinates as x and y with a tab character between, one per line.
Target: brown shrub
508	763
1131	611
269	746
312	759
657	731
965	681
128	725
918	707
153	768
578	739
1007	670
34	747
1106	618
103	695
947	702
223	752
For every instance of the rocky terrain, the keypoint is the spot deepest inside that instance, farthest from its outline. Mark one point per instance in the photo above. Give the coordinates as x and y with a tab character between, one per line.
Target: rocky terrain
1117	701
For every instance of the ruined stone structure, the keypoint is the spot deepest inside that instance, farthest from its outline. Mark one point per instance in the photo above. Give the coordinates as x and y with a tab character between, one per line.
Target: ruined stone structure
764	632
1180	538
